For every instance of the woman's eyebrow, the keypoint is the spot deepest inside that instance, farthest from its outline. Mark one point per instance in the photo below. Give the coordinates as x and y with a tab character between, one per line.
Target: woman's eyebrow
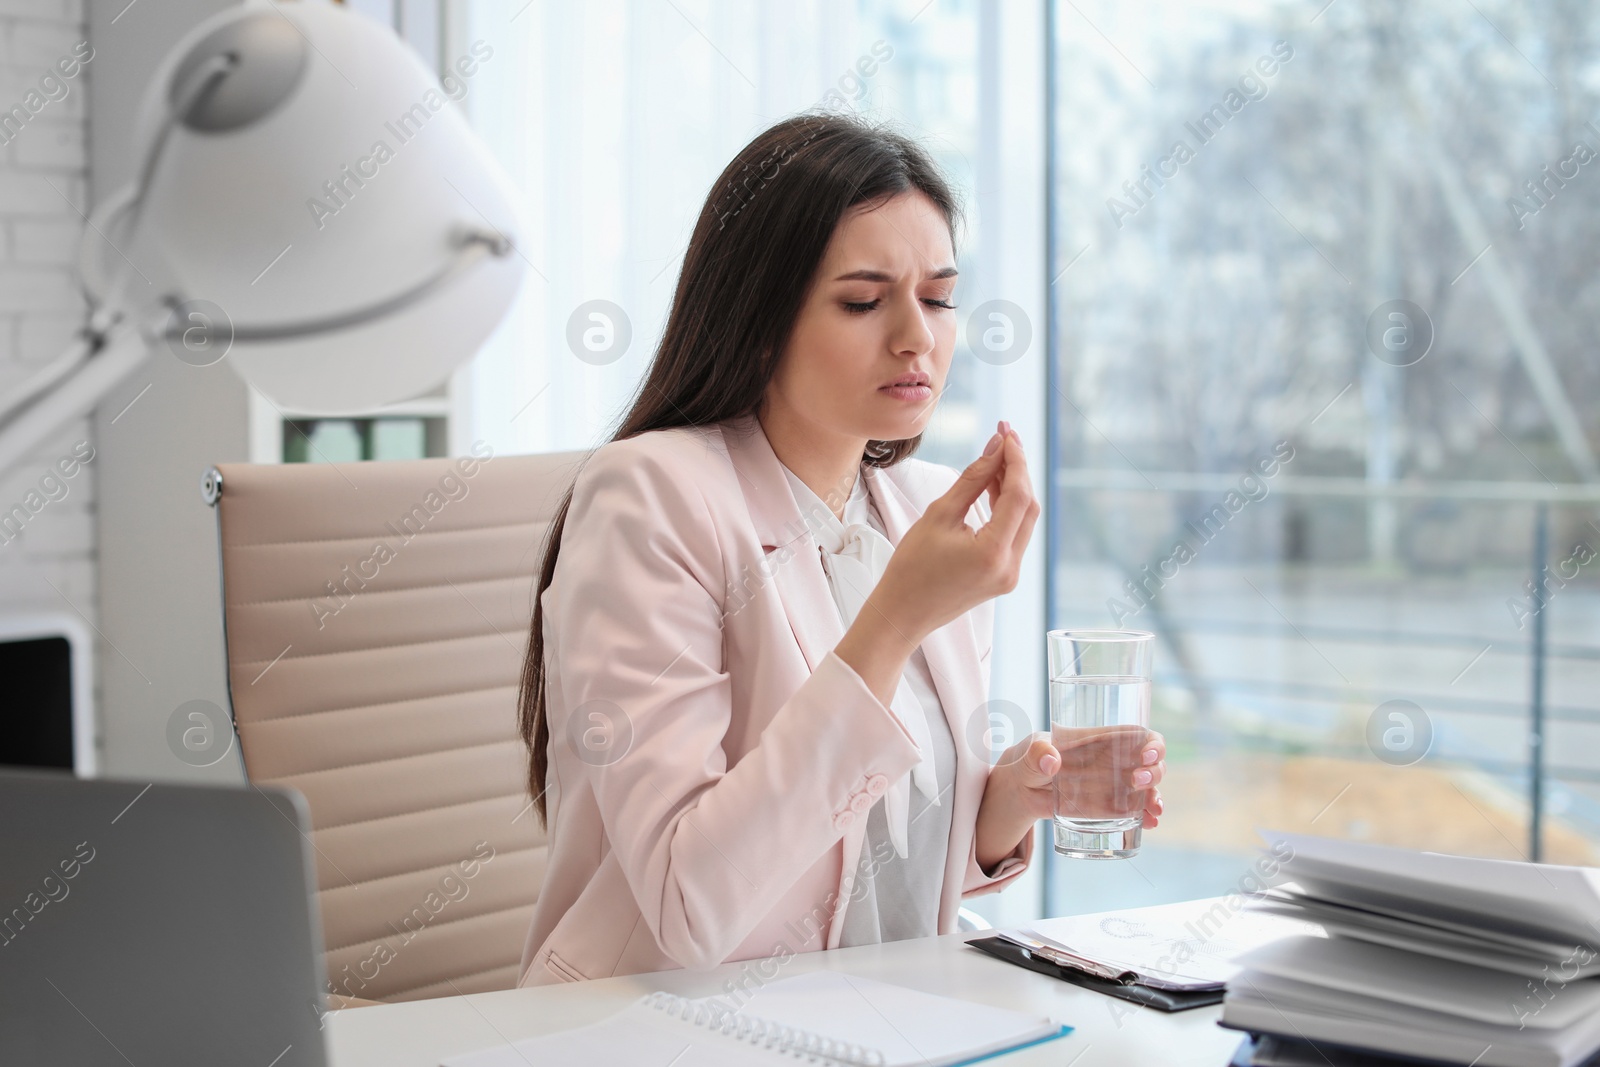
870	275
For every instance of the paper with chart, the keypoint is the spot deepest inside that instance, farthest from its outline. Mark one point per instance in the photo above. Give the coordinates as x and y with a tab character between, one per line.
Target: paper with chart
1182	946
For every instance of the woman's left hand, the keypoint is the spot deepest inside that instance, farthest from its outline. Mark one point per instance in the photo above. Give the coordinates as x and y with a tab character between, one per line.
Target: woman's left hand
1021	791
1034	763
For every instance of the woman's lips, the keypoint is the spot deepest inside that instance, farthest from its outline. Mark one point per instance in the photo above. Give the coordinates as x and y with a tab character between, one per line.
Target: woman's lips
908	392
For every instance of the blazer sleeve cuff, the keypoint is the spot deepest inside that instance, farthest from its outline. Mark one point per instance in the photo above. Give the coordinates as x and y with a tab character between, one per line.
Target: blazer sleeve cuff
977	883
831	663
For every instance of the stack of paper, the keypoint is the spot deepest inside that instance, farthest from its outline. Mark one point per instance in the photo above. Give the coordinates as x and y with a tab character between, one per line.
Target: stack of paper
1443	958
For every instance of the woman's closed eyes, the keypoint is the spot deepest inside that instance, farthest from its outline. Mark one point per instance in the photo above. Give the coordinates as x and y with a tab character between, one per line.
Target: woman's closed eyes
859	308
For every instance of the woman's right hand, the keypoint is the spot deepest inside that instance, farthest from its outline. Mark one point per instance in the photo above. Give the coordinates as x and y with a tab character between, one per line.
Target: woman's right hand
942	567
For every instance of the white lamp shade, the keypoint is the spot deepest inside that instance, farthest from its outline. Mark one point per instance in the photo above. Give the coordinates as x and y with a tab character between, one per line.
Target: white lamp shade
350	192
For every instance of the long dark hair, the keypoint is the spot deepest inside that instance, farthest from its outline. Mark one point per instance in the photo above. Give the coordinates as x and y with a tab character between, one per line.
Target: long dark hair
749	267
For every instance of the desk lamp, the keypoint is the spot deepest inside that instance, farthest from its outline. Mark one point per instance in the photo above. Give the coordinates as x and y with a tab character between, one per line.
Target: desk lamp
308	203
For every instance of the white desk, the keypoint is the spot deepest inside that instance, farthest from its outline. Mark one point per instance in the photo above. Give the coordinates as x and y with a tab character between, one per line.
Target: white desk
1107	1032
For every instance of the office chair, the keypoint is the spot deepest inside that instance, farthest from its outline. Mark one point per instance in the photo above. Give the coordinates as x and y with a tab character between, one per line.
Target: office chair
376	616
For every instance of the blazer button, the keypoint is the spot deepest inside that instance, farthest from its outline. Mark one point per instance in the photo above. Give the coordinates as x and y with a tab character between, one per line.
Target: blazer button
842	820
860	803
877	785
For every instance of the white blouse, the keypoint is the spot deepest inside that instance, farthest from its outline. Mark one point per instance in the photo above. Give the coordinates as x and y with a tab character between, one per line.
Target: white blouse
901	869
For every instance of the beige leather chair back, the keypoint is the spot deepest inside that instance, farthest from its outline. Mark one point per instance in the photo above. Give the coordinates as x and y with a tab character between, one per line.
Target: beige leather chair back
376	618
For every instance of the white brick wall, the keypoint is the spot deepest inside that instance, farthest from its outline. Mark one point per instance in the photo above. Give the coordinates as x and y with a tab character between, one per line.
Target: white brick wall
43	186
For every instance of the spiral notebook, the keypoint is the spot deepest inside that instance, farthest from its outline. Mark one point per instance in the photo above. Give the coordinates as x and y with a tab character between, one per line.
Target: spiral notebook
825	1017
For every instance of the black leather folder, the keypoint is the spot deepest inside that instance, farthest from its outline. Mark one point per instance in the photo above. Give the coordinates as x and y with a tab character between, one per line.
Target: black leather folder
1149	996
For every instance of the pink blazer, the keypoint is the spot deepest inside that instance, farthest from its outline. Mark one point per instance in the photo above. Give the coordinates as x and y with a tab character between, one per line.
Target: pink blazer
712	760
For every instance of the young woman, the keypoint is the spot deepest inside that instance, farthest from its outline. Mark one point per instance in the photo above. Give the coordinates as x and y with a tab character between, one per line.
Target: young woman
754	697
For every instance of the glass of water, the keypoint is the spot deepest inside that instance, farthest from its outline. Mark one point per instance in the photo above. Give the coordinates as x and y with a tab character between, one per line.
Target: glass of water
1100	723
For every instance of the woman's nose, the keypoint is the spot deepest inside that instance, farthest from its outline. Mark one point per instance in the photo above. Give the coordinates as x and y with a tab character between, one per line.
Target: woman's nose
911	332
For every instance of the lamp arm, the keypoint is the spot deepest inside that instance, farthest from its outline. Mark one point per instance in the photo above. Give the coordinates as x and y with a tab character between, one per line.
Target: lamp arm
202	81
101	232
49	374
101	365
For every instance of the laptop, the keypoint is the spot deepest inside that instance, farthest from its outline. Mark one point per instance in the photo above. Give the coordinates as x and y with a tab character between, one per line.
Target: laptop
156	924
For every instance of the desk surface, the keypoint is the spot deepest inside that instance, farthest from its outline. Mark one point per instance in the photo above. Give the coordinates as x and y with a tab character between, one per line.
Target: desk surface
1107	1032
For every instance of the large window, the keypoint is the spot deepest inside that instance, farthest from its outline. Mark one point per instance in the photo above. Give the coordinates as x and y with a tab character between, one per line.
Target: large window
1325	398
